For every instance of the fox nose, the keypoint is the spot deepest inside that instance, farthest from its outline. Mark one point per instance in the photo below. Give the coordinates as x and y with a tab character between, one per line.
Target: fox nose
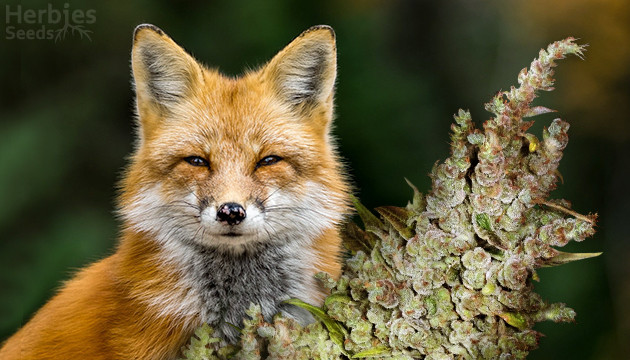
231	214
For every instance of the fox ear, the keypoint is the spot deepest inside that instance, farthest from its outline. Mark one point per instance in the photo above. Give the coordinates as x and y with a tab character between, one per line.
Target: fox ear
304	72
163	72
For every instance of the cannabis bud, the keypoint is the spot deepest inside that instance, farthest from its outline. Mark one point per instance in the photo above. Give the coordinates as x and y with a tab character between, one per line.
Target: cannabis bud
451	274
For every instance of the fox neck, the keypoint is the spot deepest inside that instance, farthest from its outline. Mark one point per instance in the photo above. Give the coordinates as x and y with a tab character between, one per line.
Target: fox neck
264	274
200	284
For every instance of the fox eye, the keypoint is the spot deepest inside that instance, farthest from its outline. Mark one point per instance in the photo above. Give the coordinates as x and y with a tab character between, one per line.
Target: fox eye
196	161
268	160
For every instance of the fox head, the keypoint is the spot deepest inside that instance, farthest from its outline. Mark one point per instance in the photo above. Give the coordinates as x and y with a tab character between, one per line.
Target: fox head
231	162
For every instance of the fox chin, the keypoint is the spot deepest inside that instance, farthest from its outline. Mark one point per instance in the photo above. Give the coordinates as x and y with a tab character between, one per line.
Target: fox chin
234	195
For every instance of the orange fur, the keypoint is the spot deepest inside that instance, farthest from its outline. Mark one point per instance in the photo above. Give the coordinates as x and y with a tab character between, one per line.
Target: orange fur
137	303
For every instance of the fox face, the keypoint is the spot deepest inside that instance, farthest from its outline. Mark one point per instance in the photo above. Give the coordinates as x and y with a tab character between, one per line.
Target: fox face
230	163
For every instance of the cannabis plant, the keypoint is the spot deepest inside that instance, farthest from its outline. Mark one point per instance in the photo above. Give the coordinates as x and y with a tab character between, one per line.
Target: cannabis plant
452	274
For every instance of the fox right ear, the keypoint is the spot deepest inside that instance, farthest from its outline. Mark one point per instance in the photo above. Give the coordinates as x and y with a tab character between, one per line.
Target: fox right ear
163	72
304	72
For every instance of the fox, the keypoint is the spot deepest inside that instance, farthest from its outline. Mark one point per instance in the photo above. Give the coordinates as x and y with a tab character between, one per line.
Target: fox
234	194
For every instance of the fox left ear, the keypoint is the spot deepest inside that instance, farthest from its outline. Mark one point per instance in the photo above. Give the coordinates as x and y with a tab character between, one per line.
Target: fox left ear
164	73
304	72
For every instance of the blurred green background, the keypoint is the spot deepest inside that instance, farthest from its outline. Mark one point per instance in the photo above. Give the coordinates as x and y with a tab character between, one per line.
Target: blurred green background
405	67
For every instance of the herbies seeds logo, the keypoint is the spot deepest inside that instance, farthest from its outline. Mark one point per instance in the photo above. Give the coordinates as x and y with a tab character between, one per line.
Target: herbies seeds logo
49	23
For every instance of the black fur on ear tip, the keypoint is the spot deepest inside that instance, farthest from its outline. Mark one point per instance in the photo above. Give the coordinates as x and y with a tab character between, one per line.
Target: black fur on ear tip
320	27
146	26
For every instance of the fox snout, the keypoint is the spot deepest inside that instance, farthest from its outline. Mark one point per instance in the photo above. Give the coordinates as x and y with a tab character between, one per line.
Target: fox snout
231	213
223	221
